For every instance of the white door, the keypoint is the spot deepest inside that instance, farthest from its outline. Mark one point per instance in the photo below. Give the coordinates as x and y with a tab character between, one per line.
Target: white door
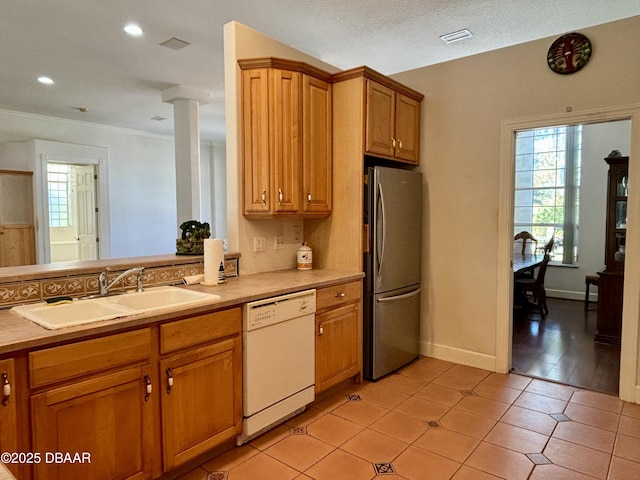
86	212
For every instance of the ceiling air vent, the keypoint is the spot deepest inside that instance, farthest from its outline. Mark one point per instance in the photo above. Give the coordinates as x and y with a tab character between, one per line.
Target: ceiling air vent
455	36
175	43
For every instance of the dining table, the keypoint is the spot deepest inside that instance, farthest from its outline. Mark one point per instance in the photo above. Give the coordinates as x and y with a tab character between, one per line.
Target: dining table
526	263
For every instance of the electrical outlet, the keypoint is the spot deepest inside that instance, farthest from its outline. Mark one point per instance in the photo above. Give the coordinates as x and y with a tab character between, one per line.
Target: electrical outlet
259	244
297	233
279	242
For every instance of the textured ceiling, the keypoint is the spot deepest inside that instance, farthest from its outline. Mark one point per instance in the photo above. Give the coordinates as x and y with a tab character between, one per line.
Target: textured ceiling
118	78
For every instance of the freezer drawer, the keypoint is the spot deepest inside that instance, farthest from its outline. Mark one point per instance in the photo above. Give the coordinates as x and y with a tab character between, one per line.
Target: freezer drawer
393	331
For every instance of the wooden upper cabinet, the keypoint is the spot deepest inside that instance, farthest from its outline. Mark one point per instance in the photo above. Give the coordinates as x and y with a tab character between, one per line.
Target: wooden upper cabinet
286	140
392	127
316	159
256	157
407	127
380	129
286	121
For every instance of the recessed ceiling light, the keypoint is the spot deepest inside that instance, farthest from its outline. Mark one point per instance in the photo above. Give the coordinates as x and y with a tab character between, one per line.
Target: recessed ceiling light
133	29
45	80
455	36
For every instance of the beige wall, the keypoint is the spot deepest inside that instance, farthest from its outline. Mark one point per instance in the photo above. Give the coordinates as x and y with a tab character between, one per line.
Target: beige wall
465	103
242	42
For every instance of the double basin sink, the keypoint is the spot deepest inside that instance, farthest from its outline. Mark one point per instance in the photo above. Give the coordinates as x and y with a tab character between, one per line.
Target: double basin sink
79	312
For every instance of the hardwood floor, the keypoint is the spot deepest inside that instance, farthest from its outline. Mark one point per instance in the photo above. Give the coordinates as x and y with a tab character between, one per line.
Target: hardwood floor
560	347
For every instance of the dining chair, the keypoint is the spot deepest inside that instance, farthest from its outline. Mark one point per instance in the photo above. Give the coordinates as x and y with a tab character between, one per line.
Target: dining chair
548	247
526	237
534	287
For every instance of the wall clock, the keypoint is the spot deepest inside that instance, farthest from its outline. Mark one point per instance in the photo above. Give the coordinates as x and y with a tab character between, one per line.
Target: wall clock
569	53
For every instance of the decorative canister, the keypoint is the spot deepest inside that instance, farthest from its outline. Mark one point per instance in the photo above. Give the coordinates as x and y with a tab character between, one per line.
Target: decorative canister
305	257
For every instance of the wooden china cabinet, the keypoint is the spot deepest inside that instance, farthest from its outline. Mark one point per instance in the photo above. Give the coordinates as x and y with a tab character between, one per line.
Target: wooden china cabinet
611	282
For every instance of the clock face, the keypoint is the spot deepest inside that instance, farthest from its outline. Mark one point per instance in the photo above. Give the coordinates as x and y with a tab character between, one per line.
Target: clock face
569	53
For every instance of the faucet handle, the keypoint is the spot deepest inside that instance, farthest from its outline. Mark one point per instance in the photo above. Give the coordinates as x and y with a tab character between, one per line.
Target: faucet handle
140	277
104	275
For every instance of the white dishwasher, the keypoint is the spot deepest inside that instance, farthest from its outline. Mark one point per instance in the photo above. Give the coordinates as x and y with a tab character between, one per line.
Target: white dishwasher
278	360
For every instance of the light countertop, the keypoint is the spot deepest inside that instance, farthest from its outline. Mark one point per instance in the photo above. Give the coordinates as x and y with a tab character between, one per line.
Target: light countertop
18	333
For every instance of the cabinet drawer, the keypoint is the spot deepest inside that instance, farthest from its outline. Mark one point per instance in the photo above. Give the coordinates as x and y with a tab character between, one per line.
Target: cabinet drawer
336	295
200	329
90	356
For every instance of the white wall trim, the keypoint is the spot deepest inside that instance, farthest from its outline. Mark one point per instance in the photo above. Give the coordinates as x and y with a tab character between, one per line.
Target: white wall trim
629	368
458	355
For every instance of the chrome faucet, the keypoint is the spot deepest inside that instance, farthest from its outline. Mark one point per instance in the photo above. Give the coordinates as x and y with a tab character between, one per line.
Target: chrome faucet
105	285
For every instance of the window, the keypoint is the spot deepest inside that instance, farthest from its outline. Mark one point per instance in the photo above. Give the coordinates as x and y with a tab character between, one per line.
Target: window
547	187
58	188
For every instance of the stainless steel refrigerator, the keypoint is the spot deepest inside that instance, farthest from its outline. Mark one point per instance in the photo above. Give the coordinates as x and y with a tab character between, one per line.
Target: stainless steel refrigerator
393	240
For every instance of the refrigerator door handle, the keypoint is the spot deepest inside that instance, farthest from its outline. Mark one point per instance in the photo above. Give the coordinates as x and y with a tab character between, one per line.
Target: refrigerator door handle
399	297
380	245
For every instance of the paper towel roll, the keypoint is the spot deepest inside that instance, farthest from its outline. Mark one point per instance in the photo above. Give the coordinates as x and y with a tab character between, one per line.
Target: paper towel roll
213	255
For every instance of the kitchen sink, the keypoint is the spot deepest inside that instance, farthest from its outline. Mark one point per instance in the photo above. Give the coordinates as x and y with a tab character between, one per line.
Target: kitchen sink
80	312
161	297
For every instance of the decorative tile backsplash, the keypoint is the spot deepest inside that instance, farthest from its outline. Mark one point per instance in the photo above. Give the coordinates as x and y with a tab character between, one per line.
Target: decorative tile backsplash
86	283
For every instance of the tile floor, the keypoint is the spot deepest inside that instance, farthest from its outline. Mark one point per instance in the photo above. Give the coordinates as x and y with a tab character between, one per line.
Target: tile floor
439	420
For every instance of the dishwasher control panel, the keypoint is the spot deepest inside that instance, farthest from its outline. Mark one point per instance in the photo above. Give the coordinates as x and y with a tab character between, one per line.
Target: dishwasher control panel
278	309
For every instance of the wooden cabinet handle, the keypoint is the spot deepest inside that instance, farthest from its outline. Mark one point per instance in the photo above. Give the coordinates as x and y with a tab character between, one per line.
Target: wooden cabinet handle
6	389
149	389
169	380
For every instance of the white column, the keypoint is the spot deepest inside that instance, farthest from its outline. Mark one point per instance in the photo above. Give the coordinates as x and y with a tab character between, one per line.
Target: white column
186	102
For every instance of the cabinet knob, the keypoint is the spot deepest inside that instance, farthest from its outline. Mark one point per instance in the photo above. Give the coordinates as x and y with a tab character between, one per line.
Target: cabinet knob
399	145
341	295
264	197
169	380
308	197
6	389
321	330
393	143
280	196
149	388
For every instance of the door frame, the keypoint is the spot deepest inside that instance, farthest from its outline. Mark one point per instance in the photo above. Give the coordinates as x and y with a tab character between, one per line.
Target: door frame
47	151
629	369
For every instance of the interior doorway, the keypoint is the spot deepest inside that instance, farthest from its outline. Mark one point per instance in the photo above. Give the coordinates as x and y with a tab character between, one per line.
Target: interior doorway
73	210
560	194
629	352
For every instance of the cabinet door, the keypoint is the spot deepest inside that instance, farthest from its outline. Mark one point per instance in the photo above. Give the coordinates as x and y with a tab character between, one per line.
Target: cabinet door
8	412
407	128
317	156
105	419
286	132
255	123
203	406
17	245
380	120
338	345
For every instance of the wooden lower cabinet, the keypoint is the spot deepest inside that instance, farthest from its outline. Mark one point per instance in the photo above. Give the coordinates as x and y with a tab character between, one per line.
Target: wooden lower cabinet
338	334
201	400
8	413
104	423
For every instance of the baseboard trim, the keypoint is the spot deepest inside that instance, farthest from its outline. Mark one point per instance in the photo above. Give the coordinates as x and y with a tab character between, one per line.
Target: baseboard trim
570	295
458	355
